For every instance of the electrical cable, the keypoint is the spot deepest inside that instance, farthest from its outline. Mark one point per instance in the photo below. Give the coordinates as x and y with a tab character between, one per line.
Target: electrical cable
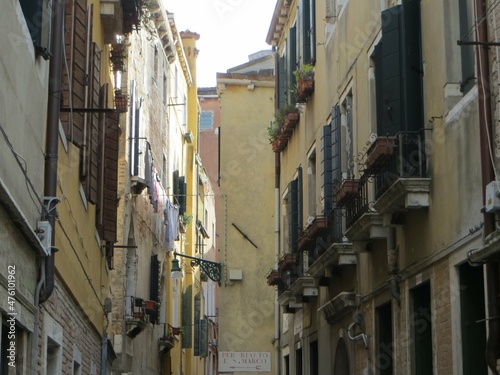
24	168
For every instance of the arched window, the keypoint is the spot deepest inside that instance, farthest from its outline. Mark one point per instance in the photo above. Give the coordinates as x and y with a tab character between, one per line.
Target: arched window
341	359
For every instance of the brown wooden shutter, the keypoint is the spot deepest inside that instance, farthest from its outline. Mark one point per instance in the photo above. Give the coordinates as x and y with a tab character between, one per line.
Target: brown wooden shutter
90	159
109	185
74	85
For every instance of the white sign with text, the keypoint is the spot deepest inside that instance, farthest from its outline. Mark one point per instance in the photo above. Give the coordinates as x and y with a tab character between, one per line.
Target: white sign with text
244	361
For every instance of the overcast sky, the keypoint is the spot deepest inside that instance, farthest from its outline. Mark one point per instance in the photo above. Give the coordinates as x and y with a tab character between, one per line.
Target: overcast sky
230	30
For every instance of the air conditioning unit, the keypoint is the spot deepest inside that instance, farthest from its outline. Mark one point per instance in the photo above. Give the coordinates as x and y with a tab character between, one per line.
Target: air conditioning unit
492	197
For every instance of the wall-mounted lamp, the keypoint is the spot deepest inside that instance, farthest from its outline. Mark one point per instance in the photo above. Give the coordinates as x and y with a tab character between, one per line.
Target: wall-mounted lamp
212	269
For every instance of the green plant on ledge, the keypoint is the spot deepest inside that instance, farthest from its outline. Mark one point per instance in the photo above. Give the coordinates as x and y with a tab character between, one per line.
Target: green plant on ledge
305	72
274	127
186	219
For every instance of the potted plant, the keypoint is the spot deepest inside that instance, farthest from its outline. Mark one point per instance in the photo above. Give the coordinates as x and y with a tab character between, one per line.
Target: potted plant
281	129
287	261
304	76
273	277
379	152
184	220
347	191
151	306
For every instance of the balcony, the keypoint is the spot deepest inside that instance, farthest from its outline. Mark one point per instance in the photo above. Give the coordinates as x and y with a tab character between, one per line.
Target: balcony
339	306
362	221
317	226
337	255
399	171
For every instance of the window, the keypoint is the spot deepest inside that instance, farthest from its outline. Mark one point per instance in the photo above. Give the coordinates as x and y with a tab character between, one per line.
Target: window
286	360
341	365
307	31
398	70
347	137
384	342
421	330
472	313
38	15
466	20
311	183
313	358
298	361
206	120
53	357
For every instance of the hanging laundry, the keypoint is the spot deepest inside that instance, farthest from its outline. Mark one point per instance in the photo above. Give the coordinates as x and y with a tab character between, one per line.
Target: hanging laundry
171	218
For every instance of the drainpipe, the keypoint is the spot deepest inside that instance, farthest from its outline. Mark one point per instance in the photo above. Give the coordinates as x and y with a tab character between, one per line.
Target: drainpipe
485	128
277	172
52	138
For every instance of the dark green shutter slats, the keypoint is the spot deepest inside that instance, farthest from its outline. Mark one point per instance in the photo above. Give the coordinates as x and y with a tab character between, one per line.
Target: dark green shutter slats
400	105
182	195
281	82
306	31
187	311
292	63
467	52
300	197
293	212
154	281
326	169
312	32
336	147
201	338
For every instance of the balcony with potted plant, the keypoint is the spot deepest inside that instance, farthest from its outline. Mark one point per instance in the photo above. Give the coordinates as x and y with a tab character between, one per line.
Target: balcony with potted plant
304	76
273	277
399	169
281	129
316	226
287	261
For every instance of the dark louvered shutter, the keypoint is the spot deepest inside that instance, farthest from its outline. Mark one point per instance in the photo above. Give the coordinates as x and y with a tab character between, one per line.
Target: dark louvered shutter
391	72
109	184
201	338
300	199
90	163
154	282
182	195
411	62
305	36
377	55
466	51
187	311
312	32
292	63
74	86
293	215
336	143
336	169
326	169
401	66
175	186
281	82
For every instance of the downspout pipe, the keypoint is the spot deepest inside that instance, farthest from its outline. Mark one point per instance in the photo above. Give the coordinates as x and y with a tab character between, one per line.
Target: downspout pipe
277	173
52	138
485	128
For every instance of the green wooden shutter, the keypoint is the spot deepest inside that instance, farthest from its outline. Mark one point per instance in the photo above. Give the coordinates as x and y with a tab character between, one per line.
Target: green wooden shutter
305	36
187	312
326	169
400	105
467	52
300	198
391	72
292	64
293	213
411	62
154	283
175	186
281	82
312	32
182	194
336	140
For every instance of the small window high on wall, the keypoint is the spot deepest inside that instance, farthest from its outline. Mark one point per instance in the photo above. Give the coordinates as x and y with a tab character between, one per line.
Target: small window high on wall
38	15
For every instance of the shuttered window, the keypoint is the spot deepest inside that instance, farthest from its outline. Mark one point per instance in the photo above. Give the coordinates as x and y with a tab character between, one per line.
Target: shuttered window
466	13
109	184
187	311
293	215
300	200
75	73
326	169
38	15
281	82
182	195
399	67
154	286
307	40
291	66
201	338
